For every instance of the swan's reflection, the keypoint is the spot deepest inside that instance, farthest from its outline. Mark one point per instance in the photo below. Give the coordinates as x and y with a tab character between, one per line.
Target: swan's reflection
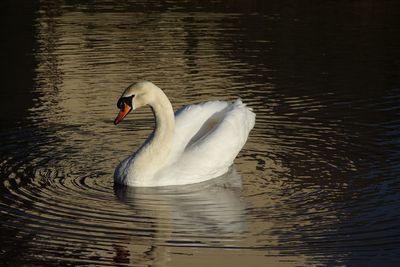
215	204
211	211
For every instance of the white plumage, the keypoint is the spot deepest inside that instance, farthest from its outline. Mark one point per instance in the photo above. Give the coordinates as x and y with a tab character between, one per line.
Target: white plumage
197	143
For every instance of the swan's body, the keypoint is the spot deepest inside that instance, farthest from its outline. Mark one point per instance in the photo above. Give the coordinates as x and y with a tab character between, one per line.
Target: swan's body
197	143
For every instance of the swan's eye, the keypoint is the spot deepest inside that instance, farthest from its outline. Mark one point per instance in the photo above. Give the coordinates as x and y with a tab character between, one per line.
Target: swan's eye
127	100
119	104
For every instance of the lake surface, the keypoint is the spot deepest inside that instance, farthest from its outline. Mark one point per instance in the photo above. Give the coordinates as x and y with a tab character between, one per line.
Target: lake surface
317	183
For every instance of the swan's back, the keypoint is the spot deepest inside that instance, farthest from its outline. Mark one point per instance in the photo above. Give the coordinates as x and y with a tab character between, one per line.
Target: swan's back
208	137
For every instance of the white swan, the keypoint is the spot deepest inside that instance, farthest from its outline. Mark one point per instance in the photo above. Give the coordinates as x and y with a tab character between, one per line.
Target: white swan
198	143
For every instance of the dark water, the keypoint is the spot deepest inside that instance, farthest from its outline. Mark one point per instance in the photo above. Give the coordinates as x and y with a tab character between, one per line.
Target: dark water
317	183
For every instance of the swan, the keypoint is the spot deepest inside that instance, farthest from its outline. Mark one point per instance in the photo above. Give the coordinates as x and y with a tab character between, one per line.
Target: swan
197	143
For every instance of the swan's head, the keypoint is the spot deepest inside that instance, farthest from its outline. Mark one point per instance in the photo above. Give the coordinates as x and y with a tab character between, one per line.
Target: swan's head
136	95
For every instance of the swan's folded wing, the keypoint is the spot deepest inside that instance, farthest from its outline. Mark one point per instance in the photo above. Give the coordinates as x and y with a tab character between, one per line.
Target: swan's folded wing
212	153
225	140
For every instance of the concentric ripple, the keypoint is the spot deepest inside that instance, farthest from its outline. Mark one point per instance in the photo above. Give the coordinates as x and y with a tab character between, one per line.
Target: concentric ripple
317	183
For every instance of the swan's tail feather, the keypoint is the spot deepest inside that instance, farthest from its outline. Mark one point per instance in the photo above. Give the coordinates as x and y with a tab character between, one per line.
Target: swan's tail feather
248	111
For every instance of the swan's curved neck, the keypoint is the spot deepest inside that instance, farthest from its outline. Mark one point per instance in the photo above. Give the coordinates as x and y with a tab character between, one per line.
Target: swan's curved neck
154	153
165	122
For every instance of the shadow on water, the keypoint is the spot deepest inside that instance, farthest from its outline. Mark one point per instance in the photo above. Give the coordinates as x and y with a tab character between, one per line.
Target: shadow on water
316	183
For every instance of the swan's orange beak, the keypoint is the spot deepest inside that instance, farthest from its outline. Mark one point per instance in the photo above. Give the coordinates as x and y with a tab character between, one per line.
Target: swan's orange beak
122	113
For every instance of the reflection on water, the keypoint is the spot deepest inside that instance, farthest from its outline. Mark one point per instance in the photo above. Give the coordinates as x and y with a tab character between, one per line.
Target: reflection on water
317	182
212	206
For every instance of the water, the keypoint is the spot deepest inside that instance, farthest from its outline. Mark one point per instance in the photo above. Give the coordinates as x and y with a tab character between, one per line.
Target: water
316	183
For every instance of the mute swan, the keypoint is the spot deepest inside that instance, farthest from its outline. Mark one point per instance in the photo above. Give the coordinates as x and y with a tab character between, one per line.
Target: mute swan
198	143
